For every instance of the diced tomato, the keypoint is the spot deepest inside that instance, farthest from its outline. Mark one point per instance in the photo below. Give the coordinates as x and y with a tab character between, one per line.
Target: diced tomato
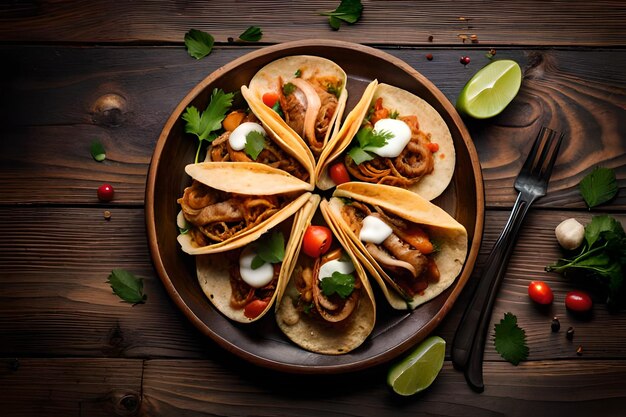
339	173
254	308
270	98
433	147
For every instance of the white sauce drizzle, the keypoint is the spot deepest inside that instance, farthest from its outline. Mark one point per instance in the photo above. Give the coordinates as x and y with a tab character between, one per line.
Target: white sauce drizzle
336	265
237	138
401	136
255	278
374	230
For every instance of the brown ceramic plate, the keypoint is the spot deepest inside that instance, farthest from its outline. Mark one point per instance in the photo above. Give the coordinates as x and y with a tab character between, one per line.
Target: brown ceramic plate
262	342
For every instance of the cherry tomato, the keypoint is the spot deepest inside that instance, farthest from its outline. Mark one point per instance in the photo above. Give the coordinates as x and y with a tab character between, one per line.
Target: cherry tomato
106	192
539	292
270	98
578	301
433	147
254	308
339	173
317	240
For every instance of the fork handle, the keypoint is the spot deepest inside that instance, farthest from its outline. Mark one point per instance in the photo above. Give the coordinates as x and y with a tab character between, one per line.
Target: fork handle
468	345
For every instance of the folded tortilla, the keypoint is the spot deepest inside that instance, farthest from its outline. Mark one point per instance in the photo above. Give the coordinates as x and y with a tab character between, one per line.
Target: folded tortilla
413	211
401	104
301	319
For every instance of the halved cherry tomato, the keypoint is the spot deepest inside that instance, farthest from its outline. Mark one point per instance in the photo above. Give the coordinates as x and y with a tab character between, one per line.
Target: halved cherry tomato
540	292
578	301
339	173
254	308
270	98
316	241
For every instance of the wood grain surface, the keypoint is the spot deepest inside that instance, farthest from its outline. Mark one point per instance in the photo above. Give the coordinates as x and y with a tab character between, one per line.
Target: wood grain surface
77	71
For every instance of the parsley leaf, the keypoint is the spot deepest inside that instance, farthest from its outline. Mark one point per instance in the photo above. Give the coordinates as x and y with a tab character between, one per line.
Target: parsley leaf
126	286
252	34
599	186
255	143
298	73
288	88
348	11
199	44
510	339
342	284
204	124
269	249
97	151
368	142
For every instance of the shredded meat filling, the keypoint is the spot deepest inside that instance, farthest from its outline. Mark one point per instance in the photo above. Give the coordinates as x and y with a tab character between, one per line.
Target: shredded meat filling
217	216
414	162
243	294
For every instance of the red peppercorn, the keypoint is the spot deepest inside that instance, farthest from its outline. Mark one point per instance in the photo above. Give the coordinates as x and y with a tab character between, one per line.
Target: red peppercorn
106	192
429	57
465	60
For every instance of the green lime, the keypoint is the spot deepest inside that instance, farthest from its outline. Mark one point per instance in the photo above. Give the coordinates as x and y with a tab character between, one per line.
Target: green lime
490	90
416	371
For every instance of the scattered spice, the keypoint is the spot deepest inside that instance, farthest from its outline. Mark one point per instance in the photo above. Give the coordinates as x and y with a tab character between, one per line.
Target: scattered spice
107	215
570	333
579	350
492	52
556	325
429	57
463	37
231	39
430	38
474	38
465	60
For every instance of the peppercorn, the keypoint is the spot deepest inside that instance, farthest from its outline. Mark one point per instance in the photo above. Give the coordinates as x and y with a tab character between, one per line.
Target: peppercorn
579	350
430	38
556	325
492	52
429	57
107	215
570	333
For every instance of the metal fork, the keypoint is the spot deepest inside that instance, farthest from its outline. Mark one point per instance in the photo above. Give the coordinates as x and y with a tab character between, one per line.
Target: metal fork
532	183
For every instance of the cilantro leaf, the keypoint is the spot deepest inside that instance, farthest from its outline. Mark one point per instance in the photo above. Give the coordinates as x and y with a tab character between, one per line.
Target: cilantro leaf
600	224
252	34
199	44
510	339
126	286
255	143
341	284
368	141
599	186
288	88
204	124
97	151
269	249
348	11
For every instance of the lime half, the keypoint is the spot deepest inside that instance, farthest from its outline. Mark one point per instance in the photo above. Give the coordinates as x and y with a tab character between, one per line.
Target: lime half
415	372
490	90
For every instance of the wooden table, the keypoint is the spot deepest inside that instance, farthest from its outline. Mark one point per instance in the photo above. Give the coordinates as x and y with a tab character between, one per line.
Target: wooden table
78	71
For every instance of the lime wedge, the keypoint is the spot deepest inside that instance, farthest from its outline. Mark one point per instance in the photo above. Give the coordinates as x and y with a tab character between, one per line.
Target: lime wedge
415	372
490	90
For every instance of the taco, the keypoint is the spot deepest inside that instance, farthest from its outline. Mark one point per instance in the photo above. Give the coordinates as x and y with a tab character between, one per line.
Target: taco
306	94
242	283
326	305
395	138
247	138
414	249
230	204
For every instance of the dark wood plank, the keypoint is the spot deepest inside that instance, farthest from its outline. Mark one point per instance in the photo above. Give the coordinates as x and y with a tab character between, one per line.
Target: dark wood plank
70	387
204	388
57	100
526	22
61	257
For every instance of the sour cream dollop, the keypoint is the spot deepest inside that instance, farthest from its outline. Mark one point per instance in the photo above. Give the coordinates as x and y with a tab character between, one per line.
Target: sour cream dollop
336	265
237	138
374	230
401	136
255	278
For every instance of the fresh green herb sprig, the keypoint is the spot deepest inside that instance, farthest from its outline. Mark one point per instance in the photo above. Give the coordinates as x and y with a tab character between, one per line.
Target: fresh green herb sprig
341	284
204	124
598	187
199	44
510	340
368	142
269	249
252	34
255	143
602	258
348	11
126	286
